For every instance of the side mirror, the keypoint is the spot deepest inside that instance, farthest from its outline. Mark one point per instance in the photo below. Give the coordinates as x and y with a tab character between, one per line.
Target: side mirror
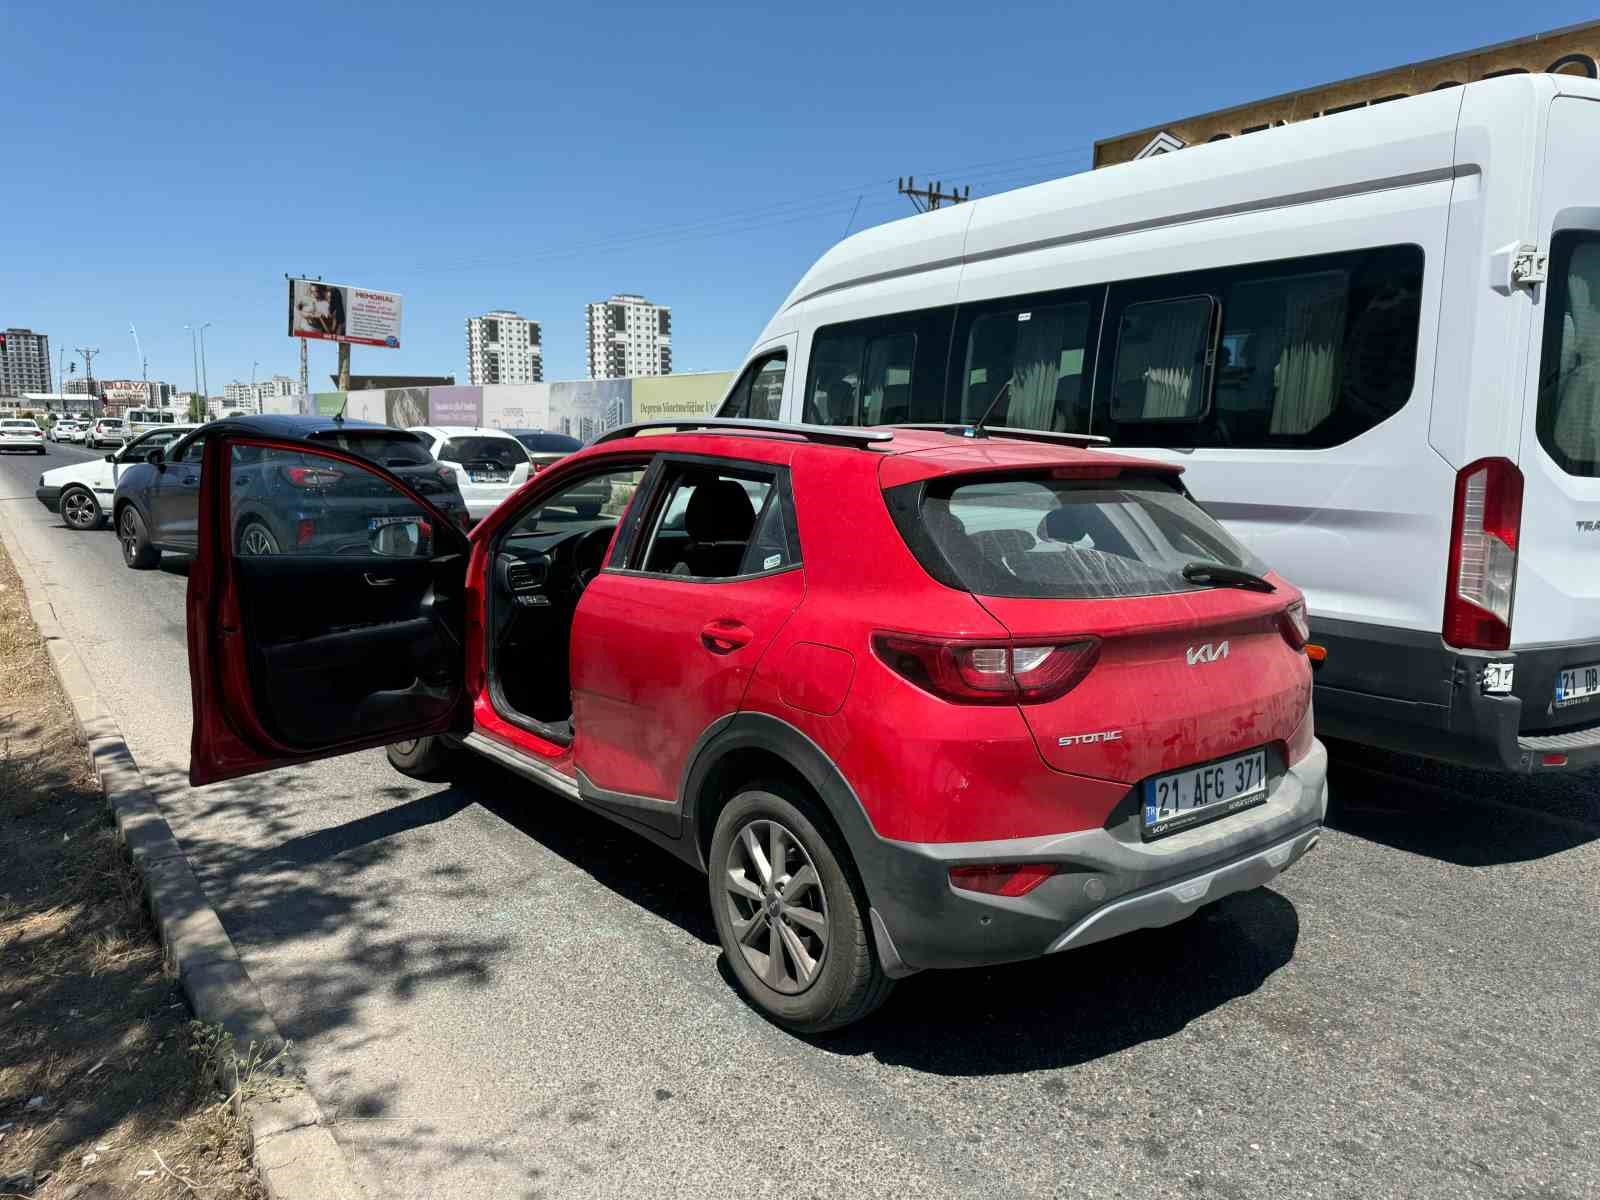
400	537
111	458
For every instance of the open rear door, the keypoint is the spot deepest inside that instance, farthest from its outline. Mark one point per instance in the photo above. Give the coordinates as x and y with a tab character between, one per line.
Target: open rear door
325	608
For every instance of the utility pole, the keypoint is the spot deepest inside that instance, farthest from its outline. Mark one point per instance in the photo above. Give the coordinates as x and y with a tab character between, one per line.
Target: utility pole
88	376
929	198
205	387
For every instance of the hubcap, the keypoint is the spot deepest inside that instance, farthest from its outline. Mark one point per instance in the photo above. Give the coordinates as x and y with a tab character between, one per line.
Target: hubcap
78	508
777	907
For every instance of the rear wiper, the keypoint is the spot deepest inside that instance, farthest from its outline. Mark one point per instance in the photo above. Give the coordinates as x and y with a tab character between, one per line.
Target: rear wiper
1222	575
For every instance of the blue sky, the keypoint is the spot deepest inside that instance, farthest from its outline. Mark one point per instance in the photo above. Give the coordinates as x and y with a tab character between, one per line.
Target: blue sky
167	164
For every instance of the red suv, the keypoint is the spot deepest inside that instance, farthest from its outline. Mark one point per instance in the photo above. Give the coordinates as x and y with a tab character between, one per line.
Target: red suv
910	697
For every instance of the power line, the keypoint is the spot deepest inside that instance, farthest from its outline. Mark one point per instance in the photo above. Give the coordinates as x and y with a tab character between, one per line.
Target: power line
929	198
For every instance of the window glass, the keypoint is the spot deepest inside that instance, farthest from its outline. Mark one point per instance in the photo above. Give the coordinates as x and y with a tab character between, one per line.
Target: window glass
1569	376
706	523
758	395
595	499
771	548
886	386
299	502
498	454
1311	352
1025	368
193	452
1162	351
835	381
1063	539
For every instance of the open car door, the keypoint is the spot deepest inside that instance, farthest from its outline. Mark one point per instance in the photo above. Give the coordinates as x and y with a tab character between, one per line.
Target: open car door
325	607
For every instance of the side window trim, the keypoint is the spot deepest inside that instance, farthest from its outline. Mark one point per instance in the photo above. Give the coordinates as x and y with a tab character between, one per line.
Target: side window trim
739	396
1208	365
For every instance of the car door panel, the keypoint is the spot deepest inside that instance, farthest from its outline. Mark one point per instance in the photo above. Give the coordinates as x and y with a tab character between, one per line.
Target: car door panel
297	656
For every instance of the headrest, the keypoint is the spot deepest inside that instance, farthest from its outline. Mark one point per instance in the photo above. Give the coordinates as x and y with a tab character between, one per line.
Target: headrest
719	511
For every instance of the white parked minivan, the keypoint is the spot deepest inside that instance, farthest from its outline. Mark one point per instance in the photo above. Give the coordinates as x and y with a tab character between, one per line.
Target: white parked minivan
1367	338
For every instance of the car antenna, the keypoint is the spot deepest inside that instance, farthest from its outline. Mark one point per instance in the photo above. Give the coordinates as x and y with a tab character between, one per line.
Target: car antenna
338	417
976	429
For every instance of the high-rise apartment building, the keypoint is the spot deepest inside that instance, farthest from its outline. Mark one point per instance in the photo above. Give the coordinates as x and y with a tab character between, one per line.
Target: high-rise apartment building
252	397
503	347
629	336
24	362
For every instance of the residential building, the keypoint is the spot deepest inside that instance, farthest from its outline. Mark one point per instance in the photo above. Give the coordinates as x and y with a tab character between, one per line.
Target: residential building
503	347
252	397
24	362
629	336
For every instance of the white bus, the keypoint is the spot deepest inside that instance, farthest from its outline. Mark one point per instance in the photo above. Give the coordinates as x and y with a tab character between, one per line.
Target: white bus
1367	337
142	420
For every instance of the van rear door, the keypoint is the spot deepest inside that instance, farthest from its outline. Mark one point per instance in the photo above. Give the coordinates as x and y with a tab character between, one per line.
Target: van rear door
1556	611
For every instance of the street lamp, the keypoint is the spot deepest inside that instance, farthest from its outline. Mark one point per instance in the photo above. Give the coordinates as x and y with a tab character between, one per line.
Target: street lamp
253	367
194	356
204	386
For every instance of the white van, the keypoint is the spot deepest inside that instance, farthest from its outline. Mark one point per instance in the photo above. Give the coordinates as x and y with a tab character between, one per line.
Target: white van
1367	337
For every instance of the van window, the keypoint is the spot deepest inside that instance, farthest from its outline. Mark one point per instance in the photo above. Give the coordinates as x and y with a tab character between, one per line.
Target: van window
758	395
1311	352
1028	364
858	380
1163	352
1569	376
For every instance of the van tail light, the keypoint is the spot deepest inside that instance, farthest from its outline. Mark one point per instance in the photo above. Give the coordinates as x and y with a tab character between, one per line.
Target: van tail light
312	477
1001	879
1483	555
988	672
1295	626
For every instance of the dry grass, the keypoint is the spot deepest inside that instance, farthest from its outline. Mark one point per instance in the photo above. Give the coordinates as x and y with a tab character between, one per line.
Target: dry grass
106	1083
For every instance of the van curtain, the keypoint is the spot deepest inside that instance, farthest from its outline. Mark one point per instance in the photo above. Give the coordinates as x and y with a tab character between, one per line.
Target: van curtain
1032	403
1578	400
1306	377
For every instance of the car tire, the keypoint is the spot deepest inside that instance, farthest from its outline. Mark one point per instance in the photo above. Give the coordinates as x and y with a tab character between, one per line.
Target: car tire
846	981
257	541
427	758
137	552
80	510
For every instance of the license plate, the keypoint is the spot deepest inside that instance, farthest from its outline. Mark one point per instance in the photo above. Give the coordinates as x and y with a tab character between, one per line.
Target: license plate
487	477
1183	798
1578	683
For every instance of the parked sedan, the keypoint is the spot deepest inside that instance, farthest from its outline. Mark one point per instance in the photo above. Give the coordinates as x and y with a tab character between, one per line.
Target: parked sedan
1006	697
81	491
283	501
107	431
21	433
488	464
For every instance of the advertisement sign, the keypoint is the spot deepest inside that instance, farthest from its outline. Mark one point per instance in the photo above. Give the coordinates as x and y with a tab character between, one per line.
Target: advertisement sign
332	312
405	407
586	408
679	397
455	406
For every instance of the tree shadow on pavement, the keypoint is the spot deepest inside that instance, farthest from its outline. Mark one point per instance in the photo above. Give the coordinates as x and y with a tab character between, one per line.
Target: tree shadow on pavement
1460	815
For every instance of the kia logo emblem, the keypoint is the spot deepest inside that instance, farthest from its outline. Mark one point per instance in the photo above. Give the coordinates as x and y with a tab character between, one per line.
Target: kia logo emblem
1208	653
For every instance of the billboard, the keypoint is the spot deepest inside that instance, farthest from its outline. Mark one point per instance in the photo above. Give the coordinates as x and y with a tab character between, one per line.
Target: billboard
1574	50
677	397
332	312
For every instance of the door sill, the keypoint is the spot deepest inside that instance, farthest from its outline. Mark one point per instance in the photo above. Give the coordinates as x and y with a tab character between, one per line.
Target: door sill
523	764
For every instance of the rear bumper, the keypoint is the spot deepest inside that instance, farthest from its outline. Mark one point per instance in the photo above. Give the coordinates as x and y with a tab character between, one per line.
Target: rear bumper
1109	881
50	497
1408	691
32	444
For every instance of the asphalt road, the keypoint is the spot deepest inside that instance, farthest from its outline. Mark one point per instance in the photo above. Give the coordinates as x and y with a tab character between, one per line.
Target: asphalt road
496	994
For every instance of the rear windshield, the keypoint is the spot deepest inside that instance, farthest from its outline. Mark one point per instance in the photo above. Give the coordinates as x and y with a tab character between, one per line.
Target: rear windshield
504	453
1059	539
387	449
1569	378
549	443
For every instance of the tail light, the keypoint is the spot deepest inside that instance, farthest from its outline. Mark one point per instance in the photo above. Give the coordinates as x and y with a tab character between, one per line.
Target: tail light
988	672
312	477
1001	879
1483	555
1294	624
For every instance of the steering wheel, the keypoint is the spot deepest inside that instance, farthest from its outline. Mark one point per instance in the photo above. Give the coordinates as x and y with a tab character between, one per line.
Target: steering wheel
588	556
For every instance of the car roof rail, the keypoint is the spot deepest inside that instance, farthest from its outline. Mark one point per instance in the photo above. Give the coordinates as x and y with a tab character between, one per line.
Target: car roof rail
828	435
978	432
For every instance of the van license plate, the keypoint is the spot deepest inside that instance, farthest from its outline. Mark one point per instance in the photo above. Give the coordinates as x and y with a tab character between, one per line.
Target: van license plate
1578	683
1183	798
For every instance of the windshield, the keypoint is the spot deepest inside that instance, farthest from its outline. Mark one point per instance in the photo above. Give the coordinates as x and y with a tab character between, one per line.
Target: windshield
1569	379
1060	538
503	453
387	448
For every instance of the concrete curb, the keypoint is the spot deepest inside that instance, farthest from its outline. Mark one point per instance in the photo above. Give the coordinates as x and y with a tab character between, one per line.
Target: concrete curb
297	1156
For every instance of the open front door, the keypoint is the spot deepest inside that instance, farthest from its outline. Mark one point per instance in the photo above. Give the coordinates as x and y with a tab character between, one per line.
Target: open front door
325	608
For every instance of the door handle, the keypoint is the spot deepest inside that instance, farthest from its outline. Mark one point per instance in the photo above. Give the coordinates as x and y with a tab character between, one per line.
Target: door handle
725	635
379	580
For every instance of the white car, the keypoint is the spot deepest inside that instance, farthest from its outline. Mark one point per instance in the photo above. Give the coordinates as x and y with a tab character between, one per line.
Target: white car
489	464
23	433
107	431
81	492
67	430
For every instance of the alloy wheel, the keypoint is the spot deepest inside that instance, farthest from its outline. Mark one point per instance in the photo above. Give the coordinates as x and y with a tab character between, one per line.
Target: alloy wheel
257	540
777	906
79	509
128	535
